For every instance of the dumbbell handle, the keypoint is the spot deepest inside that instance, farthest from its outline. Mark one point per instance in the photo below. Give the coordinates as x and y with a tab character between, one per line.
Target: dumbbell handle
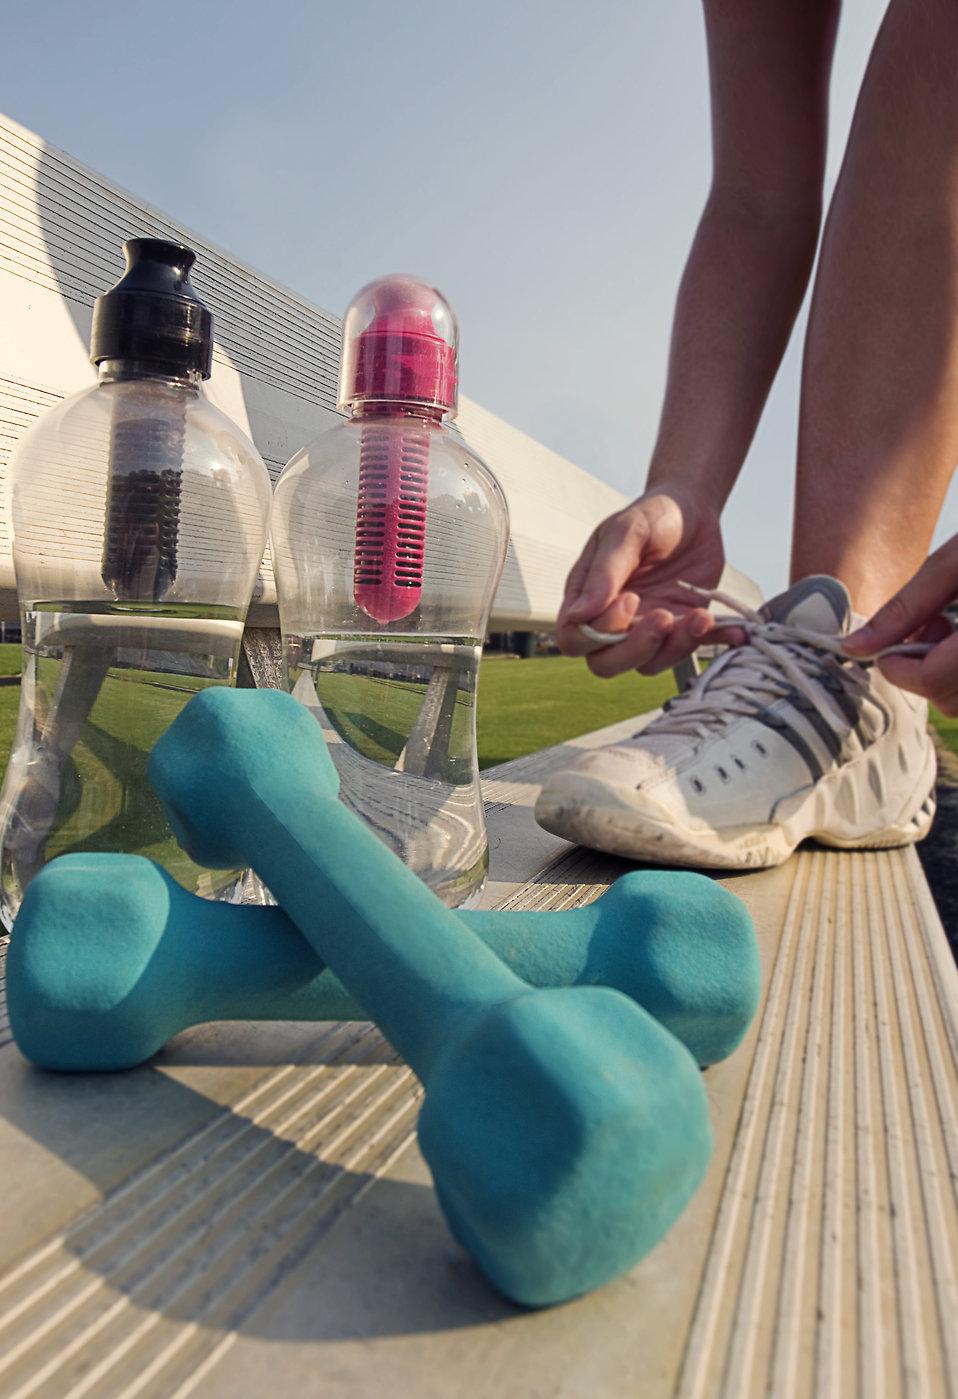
254	964
409	960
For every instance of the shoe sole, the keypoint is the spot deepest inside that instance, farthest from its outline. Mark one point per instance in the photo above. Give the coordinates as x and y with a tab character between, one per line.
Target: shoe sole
590	812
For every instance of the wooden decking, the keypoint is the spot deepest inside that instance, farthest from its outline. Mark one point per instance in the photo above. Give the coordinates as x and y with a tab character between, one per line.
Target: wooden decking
249	1214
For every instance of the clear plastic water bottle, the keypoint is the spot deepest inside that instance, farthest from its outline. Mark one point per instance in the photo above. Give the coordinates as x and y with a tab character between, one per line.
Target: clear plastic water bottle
388	538
139	521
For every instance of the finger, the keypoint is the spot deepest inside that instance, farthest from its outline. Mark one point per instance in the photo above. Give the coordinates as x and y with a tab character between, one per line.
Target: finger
935	676
728	636
617	555
641	644
652	650
579	571
934	585
949	705
572	642
938	629
685	637
582	638
938	670
619	615
905	672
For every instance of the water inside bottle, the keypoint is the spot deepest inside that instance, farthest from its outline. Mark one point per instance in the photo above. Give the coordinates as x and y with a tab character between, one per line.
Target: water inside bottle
399	714
101	683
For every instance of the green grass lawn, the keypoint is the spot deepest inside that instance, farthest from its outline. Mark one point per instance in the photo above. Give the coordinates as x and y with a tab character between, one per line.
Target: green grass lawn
9	659
124	722
947	729
9	700
523	705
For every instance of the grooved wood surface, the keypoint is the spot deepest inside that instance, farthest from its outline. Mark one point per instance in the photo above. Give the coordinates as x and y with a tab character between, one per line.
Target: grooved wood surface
249	1213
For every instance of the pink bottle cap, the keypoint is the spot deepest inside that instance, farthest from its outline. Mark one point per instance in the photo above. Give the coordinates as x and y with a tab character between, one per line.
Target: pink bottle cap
400	345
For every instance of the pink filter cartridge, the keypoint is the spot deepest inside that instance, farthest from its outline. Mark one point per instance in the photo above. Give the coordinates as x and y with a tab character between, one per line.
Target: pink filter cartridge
399	375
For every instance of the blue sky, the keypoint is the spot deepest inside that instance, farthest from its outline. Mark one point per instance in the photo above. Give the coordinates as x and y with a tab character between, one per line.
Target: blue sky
542	162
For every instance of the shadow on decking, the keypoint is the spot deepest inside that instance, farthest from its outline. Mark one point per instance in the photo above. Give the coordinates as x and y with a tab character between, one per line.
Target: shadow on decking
207	1227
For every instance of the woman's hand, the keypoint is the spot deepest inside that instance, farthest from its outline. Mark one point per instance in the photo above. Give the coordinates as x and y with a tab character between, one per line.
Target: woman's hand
914	614
627	577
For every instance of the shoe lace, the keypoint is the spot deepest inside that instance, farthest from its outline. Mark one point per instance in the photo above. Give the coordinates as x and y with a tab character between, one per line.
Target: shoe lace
778	659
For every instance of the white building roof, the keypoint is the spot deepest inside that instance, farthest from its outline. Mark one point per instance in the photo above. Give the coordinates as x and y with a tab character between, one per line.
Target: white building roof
275	364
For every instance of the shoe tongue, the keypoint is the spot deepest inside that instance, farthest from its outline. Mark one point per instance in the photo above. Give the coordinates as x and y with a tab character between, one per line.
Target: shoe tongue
820	603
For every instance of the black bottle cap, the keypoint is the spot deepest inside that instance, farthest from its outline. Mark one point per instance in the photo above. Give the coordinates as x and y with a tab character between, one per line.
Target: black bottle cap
153	315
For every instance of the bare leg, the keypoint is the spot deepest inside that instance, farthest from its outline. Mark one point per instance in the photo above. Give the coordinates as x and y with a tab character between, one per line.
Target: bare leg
878	437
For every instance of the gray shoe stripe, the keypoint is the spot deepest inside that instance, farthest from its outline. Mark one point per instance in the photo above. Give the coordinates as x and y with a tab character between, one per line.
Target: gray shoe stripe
853	713
776	722
816	720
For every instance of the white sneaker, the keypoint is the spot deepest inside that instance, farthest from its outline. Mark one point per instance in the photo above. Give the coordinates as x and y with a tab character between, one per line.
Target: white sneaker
780	739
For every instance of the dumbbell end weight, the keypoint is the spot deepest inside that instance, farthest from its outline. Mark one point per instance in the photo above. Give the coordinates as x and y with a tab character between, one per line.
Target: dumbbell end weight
621	1140
111	958
91	982
677	943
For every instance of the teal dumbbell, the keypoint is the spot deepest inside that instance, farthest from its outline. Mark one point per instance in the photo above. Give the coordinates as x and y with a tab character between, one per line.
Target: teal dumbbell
112	958
565	1128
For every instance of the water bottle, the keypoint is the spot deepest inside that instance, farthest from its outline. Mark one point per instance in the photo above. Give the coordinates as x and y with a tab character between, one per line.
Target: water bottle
388	538
139	516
